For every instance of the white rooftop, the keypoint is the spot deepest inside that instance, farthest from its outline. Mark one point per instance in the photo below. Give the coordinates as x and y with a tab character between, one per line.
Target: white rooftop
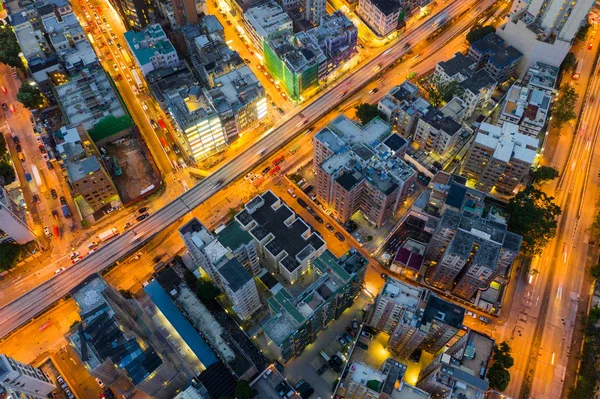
354	133
507	142
402	293
361	373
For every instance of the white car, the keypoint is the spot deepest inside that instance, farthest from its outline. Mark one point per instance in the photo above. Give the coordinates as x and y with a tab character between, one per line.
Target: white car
291	192
47	232
100	382
58	271
473	315
74	255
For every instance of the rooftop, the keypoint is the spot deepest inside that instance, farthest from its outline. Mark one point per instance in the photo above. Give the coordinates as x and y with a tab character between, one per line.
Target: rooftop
189	106
148	43
236	89
268	19
492	44
439	121
234	274
80	168
387	7
232	236
443	311
477	81
542	76
460	63
507	142
402	293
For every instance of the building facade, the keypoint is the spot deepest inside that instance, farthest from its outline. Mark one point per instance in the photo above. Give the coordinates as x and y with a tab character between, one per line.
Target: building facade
490	54
266	22
436	131
135	14
152	49
380	15
21	380
12	219
527	108
240	288
402	107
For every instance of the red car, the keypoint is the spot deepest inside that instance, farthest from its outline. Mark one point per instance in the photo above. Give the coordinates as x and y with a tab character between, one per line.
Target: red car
590	44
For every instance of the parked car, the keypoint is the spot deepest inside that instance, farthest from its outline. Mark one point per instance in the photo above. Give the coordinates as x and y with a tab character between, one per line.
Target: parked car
306	394
53	193
485	320
322	369
58	271
362	345
367	335
142	217
473	315
143	210
341	340
301	202
18	147
28	176
15	139
47	232
100	382
319	219
63	200
55	214
329	227
339	236
36	199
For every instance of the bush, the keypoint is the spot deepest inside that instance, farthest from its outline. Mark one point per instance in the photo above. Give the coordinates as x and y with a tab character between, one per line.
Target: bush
479	32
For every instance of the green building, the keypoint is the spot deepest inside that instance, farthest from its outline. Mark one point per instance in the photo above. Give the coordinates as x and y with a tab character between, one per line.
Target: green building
296	68
296	321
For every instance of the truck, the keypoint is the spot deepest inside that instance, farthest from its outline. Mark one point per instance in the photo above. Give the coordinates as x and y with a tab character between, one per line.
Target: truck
66	211
440	20
162	125
36	176
108	234
577	70
137	79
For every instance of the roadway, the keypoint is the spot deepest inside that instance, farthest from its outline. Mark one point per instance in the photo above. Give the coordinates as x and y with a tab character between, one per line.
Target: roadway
32	303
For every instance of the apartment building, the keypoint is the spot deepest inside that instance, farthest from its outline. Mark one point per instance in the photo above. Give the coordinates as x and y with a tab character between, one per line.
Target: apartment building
541	77
12	219
490	54
151	49
365	382
186	12
500	157
468	251
430	328
380	15
527	108
240	100
544	30
460	371
119	344
229	258
286	243
135	14
90	183
198	126
458	68
360	168
299	314
21	380
266	22
402	107
314	10
436	131
397	303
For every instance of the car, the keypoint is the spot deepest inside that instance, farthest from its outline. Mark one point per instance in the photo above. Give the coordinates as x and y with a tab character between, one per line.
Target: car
4	106
247	61
100	382
362	345
322	369
42	148
4	90
319	219
299	384
291	192
360	46
266	170
116	67
248	176
55	214
339	236
92	245
301	202
306	394
347	337
74	255
485	320
18	148
229	23
375	90
53	193
47	232
49	164
143	209
28	176
12	108
341	340
329	227
58	271
15	139
349	330
282	112
45	157
383	276
36	199
367	335
473	315
142	217
127	225
590	45
63	201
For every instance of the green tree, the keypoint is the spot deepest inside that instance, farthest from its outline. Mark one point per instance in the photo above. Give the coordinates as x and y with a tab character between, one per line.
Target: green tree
9	48
569	62
9	255
207	292
7	172
439	92
533	215
30	96
595	271
502	355
595	227
243	390
544	174
498	377
3	149
126	294
583	32
564	107
479	32
366	112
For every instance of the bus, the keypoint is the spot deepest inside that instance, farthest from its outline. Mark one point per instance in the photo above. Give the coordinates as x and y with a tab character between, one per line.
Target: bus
294	149
126	57
577	70
137	79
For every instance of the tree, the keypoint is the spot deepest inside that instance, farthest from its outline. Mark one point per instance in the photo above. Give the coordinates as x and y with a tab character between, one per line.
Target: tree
569	62
207	292
583	32
533	215
9	255
564	107
7	173
3	149
544	174
366	112
243	390
9	48
30	96
479	32
498	377
126	294
439	92
502	355
595	271
595	227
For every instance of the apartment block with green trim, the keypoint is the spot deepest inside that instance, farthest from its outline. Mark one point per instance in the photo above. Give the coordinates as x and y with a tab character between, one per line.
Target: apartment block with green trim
296	68
297	320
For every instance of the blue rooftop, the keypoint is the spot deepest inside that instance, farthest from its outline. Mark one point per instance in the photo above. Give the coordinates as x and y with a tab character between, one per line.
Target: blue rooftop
180	323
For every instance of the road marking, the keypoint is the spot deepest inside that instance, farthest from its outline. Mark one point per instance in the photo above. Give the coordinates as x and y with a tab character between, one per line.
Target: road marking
552	361
559	293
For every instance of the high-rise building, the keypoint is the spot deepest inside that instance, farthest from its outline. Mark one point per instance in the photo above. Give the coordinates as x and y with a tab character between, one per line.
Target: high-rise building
460	371
500	157
266	22
397	303
151	49
402	107
527	108
21	380
135	14
499	61
360	168
543	30
13	224
240	288
185	12
381	16
314	10
364	382
198	126
90	184
468	251
436	131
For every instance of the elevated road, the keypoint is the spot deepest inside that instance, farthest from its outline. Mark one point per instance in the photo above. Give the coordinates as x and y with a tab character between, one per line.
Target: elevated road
31	304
